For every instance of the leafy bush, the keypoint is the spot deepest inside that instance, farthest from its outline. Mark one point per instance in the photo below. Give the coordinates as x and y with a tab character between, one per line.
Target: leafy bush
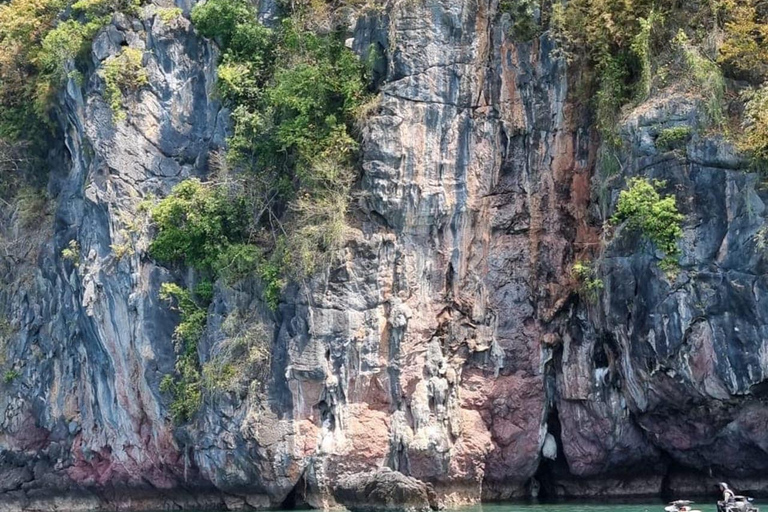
754	139
605	37
643	209
23	26
622	46
72	252
673	138
196	224
523	15
707	77
744	51
590	284
238	261
123	73
641	48
122	250
271	275
185	386
242	359
320	229
294	95
93	9
69	40
37	40
168	14
10	376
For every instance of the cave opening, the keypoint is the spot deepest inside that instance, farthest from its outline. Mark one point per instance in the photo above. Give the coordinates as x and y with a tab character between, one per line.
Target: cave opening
542	486
295	499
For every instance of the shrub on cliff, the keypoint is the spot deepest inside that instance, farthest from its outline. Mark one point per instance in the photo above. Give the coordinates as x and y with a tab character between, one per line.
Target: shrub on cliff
523	14
281	208
242	359
586	275
123	73
196	223
185	386
294	94
673	138
624	52
754	139
744	51
222	19
37	40
643	209
23	26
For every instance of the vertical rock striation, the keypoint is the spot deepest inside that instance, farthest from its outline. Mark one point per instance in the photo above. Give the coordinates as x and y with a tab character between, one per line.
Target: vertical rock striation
447	343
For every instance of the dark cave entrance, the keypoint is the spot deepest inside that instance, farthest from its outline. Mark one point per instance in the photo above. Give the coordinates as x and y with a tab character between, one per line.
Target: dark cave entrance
542	486
295	500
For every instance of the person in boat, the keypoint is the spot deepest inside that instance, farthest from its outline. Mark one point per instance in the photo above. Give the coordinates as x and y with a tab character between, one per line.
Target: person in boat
728	495
733	502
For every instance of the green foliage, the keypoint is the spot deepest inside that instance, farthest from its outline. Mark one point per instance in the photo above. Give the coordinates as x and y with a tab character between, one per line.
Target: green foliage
590	285
38	41
222	19
23	27
319	229
94	9
6	332
744	52
673	138
10	376
754	139
185	386
611	94
707	78
122	250
294	96
271	276
193	316
242	359
123	73
523	16
70	39
643	209
204	226
624	47
612	37
641	48
197	223
237	261
32	206
186	391
72	252
168	14
301	120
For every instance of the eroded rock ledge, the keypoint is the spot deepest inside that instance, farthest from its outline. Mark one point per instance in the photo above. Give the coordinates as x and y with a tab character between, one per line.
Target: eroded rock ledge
448	344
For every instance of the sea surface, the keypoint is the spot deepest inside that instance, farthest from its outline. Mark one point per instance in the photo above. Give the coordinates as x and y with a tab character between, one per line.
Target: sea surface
701	505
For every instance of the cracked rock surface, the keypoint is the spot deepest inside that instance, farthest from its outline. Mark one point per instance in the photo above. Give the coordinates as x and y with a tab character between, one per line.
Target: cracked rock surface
447	353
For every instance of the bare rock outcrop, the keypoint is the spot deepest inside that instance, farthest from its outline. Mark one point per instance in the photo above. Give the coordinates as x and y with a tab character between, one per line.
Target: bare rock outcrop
446	357
384	490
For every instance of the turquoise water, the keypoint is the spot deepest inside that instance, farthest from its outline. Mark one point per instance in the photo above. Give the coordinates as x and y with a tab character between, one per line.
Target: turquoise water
702	505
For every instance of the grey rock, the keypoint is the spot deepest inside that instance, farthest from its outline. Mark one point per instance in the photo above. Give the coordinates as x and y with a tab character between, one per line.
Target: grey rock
383	490
446	342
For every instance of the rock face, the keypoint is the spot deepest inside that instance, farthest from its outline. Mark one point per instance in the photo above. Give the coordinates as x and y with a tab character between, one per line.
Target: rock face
384	489
448	344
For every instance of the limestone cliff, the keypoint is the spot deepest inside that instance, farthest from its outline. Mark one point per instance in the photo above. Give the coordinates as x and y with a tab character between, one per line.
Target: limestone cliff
448	342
